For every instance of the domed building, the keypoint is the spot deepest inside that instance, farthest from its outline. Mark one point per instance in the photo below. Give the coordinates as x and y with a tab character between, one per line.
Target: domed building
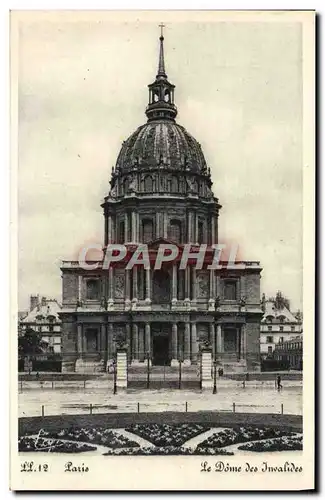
161	193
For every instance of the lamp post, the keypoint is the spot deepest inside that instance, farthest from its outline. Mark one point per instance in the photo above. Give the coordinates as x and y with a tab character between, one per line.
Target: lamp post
114	376
214	377
180	360
148	369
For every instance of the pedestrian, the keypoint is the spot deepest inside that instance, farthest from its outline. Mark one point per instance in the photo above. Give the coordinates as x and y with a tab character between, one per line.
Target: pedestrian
37	376
278	381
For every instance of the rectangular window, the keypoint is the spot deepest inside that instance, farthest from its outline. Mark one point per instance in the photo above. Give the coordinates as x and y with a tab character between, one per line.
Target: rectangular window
121	231
181	284
292	328
281	339
201	233
269	340
281	328
230	290
269	349
269	328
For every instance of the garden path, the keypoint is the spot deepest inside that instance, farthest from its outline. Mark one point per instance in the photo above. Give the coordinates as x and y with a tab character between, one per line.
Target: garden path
193	442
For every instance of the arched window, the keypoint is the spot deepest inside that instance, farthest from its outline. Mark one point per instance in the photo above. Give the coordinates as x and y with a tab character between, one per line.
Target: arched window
147	230
126	185
175	231
281	319
269	319
92	289
148	184
167	96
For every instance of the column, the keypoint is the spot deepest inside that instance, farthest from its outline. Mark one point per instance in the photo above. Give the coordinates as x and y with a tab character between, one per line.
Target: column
213	340
98	341
127	288
187	343
174	291
174	344
138	227
84	340
243	341
134	227
148	287
103	342
212	290
187	284
165	225
135	286
110	342
189	227
194	344
128	341
196	227
141	344
218	339
147	339
135	339
106	230
110	285
79	288
157	225
80	350
109	229
193	270
213	230
238	346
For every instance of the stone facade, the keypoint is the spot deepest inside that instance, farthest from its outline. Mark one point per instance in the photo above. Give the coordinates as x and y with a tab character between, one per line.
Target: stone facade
160	192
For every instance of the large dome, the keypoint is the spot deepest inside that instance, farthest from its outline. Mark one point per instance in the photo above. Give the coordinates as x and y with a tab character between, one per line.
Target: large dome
161	143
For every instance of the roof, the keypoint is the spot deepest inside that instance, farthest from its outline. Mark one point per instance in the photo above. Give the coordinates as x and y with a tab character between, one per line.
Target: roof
271	310
50	308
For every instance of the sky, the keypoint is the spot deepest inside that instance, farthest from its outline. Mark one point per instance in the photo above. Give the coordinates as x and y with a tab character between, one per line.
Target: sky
83	90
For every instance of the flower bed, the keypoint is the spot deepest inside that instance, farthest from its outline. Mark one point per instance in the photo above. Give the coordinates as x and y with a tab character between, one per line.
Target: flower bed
285	443
167	435
167	450
52	445
98	435
228	437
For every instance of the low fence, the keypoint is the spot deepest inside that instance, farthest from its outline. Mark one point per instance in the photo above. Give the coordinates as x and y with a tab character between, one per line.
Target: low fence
122	407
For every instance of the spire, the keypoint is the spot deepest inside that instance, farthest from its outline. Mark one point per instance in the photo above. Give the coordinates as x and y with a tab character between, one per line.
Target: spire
161	93
161	64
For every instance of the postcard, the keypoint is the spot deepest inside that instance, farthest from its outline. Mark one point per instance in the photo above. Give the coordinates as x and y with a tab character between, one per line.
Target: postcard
163	223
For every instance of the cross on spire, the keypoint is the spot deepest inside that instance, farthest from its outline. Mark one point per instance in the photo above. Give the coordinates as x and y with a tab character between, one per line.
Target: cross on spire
162	26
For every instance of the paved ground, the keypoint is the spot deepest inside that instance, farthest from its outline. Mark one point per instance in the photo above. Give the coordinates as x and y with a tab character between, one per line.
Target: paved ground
71	398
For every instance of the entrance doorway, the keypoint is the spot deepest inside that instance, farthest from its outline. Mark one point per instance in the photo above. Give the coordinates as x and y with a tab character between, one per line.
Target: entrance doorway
161	350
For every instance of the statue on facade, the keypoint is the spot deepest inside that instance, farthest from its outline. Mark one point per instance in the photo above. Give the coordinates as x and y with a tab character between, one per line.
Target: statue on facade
113	191
263	303
243	301
104	303
217	302
133	185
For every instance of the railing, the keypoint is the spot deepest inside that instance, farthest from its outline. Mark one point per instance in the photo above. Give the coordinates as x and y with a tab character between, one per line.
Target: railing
74	408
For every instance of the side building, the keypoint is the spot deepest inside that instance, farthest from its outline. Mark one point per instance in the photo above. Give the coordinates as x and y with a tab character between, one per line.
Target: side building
43	317
278	325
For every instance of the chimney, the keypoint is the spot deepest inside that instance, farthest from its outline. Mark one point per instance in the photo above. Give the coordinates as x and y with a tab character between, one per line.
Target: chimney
34	302
43	303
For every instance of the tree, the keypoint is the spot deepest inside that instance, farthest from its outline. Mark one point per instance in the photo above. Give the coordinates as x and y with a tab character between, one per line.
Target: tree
31	343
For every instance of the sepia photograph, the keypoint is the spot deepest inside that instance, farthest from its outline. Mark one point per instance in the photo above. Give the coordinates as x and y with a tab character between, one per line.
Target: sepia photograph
163	332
